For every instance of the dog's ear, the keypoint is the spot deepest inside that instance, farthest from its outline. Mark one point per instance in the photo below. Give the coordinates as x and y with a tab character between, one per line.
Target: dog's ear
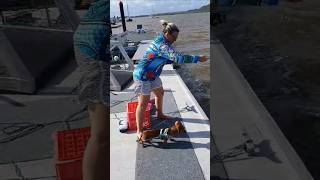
178	126
184	130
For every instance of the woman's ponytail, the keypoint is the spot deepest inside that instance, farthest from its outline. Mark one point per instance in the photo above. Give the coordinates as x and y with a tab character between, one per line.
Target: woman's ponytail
164	23
168	27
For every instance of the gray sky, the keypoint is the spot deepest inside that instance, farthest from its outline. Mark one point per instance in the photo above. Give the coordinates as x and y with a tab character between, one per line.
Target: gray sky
142	7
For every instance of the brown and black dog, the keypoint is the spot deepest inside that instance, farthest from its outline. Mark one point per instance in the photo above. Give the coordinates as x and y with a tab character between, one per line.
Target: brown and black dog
164	134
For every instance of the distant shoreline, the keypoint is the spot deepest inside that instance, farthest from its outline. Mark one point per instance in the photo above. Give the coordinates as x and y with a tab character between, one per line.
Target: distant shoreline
202	9
163	14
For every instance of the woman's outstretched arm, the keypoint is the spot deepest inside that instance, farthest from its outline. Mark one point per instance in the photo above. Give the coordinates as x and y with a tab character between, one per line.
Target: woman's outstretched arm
169	53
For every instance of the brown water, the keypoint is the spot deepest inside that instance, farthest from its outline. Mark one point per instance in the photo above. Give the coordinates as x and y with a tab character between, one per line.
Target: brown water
193	39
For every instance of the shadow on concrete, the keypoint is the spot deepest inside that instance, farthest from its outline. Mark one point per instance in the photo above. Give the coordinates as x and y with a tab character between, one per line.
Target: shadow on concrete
199	134
11	101
198	121
175	144
265	150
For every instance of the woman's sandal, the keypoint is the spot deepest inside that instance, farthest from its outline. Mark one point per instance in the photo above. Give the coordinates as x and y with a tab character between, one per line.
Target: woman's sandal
139	140
139	135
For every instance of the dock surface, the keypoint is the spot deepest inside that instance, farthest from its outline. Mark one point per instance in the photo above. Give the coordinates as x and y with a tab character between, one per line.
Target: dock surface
187	158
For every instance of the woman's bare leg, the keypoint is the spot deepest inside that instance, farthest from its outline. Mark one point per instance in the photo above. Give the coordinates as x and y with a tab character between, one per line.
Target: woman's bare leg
141	111
96	157
159	93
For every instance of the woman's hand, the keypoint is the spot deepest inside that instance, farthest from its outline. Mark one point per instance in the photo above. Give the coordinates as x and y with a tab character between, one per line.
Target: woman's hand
203	59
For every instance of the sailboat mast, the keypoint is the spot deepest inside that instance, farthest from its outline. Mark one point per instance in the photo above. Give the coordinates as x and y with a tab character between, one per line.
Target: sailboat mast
128	11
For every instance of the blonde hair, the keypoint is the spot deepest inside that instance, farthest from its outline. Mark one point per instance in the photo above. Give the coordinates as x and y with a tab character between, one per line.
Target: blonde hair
169	27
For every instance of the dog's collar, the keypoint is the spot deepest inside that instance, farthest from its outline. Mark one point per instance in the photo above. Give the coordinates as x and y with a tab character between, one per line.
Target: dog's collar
164	134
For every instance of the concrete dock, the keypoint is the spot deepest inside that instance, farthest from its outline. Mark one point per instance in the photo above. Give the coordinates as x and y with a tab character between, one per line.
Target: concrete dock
237	110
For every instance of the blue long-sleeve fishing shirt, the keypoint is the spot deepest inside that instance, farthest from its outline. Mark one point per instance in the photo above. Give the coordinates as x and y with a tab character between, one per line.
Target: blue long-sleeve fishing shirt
159	53
92	35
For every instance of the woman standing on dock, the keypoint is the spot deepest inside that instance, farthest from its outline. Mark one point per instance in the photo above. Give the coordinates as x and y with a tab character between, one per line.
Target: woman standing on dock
91	41
146	74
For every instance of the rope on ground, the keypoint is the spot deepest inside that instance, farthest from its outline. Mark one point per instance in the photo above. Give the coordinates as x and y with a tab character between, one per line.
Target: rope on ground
17	130
118	102
187	108
230	153
116	117
29	160
247	147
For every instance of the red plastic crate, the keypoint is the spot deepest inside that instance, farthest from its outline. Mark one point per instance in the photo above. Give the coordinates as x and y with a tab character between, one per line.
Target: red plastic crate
69	170
131	113
70	144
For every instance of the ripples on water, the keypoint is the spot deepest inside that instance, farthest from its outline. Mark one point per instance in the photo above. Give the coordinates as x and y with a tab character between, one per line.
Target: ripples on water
194	39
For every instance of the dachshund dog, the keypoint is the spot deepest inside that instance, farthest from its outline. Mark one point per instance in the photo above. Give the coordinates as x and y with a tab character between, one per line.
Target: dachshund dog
164	134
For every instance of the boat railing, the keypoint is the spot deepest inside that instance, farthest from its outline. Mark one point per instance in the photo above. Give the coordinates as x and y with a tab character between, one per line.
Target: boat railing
121	37
118	44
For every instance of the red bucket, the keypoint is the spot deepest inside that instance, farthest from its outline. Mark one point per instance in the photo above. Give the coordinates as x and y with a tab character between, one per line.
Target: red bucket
131	110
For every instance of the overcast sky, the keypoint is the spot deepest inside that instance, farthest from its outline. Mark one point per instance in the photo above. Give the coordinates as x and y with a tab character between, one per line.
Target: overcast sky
144	7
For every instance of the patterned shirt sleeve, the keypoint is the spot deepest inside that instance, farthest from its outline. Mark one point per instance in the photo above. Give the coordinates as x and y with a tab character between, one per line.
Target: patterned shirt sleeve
169	53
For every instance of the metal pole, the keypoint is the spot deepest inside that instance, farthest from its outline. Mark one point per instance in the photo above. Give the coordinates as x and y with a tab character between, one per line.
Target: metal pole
48	17
2	17
122	17
68	13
